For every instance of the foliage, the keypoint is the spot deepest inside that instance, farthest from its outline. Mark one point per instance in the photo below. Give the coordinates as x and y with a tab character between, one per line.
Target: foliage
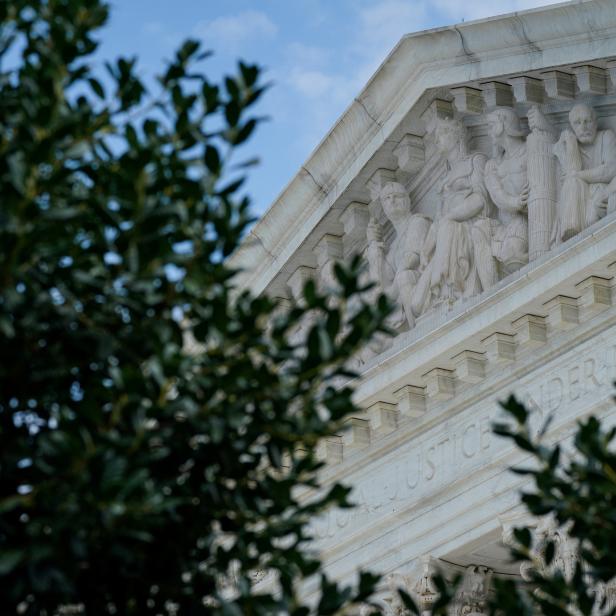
576	491
137	477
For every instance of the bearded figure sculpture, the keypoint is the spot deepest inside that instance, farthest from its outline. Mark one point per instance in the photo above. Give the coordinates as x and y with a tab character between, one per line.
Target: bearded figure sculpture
587	158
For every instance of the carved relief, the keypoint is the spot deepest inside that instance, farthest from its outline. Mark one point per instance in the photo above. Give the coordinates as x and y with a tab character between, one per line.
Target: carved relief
492	215
457	254
587	158
485	216
565	560
328	250
421	589
606	595
295	285
541	168
506	179
566	549
397	268
388	602
425	591
472	597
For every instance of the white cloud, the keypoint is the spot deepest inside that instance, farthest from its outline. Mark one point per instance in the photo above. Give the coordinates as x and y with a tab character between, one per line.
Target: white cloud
310	83
308	55
231	31
326	83
321	82
383	23
378	28
166	40
382	17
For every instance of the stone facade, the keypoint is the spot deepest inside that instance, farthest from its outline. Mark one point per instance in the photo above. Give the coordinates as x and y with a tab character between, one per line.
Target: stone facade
476	173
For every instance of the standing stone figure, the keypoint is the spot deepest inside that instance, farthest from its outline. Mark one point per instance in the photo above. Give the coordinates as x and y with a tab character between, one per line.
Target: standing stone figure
458	260
587	158
506	179
396	269
541	169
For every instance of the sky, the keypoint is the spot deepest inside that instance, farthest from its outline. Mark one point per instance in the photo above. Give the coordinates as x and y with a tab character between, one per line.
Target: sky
317	55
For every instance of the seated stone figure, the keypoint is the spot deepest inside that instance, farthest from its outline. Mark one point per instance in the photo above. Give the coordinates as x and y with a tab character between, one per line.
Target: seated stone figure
458	259
506	179
396	268
587	158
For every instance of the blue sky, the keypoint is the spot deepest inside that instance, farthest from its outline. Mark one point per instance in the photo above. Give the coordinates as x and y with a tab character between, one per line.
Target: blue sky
318	54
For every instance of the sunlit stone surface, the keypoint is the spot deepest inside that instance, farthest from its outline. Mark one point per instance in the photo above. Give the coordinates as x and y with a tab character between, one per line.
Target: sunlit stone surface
476	173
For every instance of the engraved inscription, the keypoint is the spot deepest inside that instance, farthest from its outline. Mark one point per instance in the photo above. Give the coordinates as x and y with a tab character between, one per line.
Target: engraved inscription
455	451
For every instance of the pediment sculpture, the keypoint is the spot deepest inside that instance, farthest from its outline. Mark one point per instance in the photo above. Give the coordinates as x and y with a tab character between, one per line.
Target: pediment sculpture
493	214
587	158
456	252
565	559
397	267
470	598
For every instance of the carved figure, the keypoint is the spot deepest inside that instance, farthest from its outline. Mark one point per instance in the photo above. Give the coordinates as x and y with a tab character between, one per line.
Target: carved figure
458	259
587	158
397	267
507	182
387	602
472	597
425	590
541	169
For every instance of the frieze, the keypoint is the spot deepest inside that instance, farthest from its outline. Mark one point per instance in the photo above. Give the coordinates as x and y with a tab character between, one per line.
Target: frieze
448	453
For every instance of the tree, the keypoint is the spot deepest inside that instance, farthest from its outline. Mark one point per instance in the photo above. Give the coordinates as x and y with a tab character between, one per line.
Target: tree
575	493
137	477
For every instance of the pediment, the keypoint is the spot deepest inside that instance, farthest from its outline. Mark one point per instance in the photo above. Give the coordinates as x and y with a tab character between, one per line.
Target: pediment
476	173
421	68
516	215
457	76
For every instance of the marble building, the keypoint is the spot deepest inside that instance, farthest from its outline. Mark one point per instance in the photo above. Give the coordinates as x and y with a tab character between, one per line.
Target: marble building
476	173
